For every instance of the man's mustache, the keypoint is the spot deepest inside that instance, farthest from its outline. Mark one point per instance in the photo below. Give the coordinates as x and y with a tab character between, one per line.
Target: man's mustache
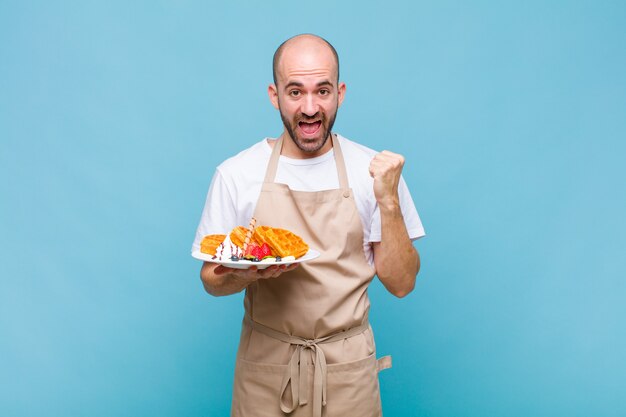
316	116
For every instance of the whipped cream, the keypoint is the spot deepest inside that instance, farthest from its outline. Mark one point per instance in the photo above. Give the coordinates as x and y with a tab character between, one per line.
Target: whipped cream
227	249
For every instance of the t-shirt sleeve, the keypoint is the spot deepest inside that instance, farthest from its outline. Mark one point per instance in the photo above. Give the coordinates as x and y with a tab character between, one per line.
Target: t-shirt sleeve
218	215
409	212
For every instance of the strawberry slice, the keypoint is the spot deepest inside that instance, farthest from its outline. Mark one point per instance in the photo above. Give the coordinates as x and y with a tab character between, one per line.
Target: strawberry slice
250	250
257	252
266	251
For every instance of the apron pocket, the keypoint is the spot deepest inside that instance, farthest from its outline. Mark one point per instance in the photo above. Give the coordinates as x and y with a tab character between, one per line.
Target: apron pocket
353	389
256	389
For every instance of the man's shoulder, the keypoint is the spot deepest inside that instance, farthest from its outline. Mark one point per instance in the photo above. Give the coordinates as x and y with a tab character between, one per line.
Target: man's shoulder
355	151
247	159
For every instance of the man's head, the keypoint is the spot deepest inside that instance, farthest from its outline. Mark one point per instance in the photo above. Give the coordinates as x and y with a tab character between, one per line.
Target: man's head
279	52
307	91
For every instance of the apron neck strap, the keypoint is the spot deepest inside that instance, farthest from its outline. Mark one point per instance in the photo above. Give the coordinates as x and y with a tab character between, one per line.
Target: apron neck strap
272	166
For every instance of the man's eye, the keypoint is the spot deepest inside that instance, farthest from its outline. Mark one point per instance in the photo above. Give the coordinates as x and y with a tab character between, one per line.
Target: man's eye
324	92
294	93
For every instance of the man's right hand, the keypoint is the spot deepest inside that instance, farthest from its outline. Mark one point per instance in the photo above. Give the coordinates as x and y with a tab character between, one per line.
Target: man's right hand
254	273
220	280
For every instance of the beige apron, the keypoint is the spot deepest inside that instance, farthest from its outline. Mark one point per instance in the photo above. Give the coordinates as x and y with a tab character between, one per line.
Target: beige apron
306	346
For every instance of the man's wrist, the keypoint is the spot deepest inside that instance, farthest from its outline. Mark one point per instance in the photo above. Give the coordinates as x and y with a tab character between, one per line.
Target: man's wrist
390	206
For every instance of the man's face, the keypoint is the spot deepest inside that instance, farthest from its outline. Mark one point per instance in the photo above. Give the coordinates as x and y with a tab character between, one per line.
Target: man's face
308	129
308	96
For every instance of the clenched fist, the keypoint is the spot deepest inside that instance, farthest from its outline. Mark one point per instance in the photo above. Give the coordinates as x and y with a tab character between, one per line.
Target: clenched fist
386	168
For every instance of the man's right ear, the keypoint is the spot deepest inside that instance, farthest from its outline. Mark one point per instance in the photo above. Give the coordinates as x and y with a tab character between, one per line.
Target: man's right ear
272	91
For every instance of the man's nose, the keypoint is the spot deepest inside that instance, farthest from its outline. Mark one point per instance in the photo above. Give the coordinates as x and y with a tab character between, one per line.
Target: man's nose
310	106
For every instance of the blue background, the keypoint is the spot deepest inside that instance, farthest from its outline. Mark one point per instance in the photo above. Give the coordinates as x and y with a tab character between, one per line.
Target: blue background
113	116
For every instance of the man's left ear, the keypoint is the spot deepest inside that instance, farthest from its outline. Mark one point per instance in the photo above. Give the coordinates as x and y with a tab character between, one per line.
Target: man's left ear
341	92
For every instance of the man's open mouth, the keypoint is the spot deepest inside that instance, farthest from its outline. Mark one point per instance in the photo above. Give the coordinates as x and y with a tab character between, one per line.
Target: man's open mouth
310	128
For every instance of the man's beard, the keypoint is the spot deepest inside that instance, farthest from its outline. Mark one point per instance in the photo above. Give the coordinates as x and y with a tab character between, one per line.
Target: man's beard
305	144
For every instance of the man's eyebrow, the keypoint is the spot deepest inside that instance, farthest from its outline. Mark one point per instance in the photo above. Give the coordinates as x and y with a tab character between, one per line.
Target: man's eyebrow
293	84
325	83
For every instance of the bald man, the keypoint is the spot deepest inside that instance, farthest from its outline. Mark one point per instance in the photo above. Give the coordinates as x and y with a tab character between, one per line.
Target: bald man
306	346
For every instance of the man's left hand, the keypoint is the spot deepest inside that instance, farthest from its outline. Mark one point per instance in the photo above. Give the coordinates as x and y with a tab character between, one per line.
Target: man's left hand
386	168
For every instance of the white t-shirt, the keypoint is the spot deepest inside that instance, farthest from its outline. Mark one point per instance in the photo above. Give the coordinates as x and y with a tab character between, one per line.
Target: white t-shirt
237	182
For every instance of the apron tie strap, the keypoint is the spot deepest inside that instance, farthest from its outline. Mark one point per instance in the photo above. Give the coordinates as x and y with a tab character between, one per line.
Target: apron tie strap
296	373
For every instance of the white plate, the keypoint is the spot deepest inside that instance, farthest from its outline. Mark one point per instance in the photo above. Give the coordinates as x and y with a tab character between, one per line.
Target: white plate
245	264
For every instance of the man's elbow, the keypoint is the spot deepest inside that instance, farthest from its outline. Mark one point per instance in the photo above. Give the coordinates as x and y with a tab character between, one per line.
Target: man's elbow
405	284
404	290
400	286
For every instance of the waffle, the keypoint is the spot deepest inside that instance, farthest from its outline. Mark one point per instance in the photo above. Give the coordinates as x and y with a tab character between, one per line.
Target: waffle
238	236
283	242
210	243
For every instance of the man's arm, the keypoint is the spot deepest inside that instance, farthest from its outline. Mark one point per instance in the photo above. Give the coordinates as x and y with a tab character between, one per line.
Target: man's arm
219	280
396	260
